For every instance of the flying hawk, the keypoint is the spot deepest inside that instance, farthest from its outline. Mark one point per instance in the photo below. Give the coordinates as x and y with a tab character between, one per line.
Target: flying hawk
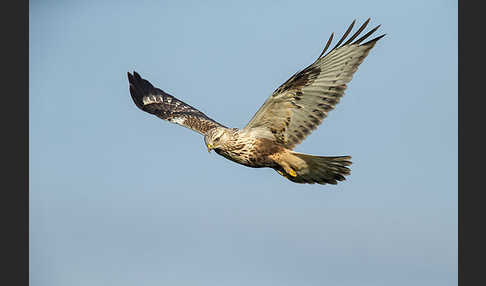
291	113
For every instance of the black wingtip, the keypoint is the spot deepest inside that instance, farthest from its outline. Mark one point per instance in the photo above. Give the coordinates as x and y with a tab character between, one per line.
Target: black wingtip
374	40
130	77
133	77
360	29
139	87
137	76
354	36
358	41
327	45
344	35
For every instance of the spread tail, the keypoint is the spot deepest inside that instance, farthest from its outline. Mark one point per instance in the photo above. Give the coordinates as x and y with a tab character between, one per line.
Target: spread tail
304	168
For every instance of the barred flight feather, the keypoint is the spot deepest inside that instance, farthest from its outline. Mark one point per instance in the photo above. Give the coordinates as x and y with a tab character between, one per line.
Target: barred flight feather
310	94
165	106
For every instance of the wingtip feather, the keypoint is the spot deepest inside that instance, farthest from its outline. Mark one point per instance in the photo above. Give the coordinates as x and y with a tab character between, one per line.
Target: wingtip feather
349	41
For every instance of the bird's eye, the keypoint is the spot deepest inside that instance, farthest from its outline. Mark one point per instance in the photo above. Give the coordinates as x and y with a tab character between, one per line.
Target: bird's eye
216	140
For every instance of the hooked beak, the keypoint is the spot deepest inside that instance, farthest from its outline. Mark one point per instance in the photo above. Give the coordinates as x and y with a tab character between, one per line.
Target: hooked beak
210	147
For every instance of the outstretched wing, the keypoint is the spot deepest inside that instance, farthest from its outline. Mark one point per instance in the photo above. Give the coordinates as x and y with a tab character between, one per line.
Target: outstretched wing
165	106
299	105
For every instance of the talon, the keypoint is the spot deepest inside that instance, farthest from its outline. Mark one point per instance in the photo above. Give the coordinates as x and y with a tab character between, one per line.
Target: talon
292	173
281	173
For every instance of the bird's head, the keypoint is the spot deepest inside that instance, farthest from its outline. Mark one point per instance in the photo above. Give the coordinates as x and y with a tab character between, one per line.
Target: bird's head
216	137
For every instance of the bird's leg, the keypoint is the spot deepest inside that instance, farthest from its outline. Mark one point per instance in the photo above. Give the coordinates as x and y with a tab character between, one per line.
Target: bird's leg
284	165
288	169
291	172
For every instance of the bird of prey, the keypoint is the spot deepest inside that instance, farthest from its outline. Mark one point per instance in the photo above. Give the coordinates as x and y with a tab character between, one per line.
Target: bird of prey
291	113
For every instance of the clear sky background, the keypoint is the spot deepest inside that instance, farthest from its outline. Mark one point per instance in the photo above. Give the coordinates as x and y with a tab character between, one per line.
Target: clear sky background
120	197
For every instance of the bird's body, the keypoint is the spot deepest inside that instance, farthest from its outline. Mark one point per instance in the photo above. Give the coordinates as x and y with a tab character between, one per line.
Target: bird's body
291	113
246	148
250	148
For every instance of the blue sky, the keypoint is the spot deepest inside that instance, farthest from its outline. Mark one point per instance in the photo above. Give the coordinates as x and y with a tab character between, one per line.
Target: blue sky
120	197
